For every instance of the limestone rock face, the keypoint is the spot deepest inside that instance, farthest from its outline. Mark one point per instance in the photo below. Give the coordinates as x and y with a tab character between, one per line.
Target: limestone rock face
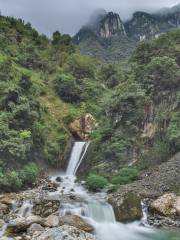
76	221
167	205
82	127
65	232
127	207
111	25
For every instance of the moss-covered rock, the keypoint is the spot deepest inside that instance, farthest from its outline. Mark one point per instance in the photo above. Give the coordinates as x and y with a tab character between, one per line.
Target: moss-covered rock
127	207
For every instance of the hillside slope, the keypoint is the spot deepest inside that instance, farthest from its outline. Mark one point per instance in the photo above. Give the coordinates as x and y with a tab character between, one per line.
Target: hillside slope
36	102
139	126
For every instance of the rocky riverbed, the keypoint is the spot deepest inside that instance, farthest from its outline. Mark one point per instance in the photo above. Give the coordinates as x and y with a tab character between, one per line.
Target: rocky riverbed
61	208
33	214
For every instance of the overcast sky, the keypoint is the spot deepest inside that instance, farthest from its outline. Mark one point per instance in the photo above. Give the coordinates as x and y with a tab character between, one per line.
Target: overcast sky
68	16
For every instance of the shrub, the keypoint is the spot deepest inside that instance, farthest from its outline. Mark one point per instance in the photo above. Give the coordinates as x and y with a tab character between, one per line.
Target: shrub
67	88
96	182
14	180
29	173
125	176
9	181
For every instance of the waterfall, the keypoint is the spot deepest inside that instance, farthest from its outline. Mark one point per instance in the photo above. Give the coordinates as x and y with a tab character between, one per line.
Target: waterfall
26	209
94	207
101	212
77	155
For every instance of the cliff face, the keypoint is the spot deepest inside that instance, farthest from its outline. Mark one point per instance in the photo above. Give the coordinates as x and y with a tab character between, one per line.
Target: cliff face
142	26
111	25
105	38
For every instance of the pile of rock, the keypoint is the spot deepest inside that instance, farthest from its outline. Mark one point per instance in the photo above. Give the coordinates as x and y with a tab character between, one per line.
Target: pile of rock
165	211
35	227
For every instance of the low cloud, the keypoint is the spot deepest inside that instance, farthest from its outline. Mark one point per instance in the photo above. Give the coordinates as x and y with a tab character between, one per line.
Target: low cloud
68	16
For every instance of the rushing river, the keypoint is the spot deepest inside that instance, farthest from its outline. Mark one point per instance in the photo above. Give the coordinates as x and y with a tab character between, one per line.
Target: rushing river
95	209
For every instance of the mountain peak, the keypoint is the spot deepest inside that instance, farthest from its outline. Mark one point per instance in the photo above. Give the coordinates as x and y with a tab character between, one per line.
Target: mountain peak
111	25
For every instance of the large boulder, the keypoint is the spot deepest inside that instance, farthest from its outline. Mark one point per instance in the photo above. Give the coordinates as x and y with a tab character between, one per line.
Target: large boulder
7	199
17	225
65	232
52	220
76	221
167	205
21	224
34	228
83	126
127	206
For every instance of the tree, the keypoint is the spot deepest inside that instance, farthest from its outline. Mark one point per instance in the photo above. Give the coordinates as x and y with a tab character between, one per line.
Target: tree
56	38
163	73
67	88
80	66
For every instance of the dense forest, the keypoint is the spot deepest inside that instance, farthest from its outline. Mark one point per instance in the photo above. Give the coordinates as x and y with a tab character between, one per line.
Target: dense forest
46	83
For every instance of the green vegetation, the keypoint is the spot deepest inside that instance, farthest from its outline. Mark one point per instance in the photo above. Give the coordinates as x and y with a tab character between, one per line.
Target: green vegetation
11	180
140	117
44	85
125	176
96	182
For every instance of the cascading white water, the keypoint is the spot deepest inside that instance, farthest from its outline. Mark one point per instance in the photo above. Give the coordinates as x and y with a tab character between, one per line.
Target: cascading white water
26	209
77	155
94	208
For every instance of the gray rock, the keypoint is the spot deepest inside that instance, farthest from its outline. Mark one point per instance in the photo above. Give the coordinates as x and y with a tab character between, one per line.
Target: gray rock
1	223
76	221
65	233
35	228
52	220
127	206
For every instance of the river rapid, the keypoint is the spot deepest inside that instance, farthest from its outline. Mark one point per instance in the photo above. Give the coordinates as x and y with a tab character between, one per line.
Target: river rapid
93	207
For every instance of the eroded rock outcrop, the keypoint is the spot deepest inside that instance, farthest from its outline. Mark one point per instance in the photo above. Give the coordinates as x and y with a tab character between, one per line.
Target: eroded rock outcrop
83	126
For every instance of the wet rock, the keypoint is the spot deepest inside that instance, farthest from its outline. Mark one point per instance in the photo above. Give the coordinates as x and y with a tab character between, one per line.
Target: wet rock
44	207
58	179
50	187
76	221
65	232
52	220
83	126
35	228
167	205
7	199
36	219
1	223
127	206
19	225
4	209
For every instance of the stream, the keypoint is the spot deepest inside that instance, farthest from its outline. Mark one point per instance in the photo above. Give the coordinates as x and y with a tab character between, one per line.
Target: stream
93	207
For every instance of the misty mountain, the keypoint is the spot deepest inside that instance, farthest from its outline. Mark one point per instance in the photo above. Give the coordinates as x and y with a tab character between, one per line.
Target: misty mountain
107	37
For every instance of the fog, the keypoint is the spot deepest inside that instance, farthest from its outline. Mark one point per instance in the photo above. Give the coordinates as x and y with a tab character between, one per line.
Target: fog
68	16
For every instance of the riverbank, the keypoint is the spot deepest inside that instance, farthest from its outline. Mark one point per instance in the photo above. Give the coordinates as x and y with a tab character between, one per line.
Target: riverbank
154	183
